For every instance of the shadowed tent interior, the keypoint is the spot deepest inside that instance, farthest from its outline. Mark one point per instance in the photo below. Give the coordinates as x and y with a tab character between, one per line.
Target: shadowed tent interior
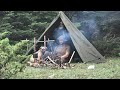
85	51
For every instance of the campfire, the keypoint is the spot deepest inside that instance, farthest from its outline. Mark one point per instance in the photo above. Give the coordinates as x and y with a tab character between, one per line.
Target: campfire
51	60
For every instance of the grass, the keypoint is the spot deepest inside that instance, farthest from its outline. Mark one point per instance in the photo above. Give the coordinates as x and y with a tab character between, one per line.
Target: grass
107	70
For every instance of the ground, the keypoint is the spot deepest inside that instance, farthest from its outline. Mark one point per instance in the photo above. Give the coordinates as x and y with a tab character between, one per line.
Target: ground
107	70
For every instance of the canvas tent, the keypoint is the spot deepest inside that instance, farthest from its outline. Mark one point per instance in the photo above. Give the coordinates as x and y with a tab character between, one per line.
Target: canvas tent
84	48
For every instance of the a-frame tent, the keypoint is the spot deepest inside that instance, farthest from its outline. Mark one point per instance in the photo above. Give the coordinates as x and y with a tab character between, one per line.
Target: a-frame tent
84	48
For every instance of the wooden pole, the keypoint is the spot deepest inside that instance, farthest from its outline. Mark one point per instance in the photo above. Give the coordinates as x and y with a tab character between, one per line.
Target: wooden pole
71	59
35	59
27	45
44	41
34	44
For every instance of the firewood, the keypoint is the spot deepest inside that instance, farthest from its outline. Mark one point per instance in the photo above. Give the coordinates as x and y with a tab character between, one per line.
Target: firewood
52	61
71	59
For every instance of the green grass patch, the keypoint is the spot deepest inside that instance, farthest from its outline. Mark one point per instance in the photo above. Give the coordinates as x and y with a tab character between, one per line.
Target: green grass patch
107	70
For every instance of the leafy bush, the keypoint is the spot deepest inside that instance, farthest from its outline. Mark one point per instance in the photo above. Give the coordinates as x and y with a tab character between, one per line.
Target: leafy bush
108	47
20	48
119	54
10	58
11	69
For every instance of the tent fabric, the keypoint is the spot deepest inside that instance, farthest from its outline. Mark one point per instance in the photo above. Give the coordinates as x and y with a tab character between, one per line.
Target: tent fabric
85	49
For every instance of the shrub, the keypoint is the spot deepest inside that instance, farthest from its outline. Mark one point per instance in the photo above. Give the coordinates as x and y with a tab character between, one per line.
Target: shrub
11	69
10	58
108	47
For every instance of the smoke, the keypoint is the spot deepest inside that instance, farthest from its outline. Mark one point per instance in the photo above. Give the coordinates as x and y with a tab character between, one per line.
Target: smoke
61	32
51	45
89	28
92	20
89	23
58	33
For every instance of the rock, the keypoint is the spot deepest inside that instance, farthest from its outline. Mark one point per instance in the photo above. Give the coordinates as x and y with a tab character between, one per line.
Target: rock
64	67
91	67
51	76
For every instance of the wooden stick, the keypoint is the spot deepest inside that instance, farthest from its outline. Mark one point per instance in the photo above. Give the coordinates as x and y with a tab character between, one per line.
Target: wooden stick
44	41
35	49
34	44
52	61
71	57
27	44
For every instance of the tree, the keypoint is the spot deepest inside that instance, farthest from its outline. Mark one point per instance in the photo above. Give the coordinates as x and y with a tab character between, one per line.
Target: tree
10	57
21	24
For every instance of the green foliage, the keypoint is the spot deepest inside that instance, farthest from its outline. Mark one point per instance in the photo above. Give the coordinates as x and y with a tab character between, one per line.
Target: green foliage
10	57
5	46
20	48
3	58
109	43
4	34
11	69
119	54
21	24
108	47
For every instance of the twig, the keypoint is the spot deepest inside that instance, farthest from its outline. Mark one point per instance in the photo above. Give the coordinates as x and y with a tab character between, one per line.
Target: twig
52	61
71	58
